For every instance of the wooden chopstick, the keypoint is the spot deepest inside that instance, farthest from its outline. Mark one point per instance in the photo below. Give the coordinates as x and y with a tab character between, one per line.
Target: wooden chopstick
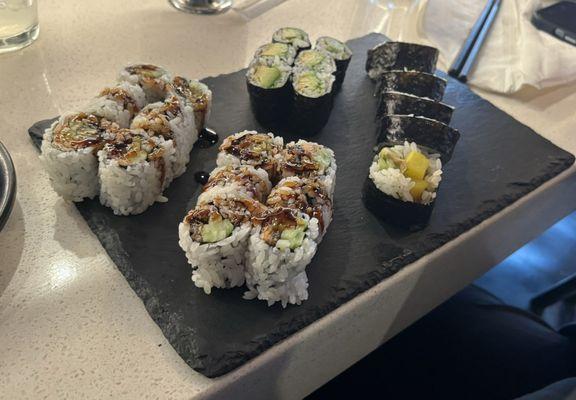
471	59
460	59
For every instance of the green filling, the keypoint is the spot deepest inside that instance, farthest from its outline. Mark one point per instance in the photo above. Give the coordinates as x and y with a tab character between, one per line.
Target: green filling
214	231
275	49
291	33
292	238
322	157
311	58
308	82
265	76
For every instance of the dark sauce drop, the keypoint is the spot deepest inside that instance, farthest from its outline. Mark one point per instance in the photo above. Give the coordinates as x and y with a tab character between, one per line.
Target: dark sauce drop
207	138
201	177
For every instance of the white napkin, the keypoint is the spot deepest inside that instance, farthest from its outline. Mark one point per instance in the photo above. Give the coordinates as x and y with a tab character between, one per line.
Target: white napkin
515	53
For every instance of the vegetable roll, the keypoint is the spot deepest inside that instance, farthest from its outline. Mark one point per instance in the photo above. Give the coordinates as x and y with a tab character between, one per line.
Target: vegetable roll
152	79
172	119
313	100
394	103
415	83
424	131
293	36
402	184
270	91
233	180
309	160
118	104
341	54
316	61
260	150
282	244
214	237
400	56
276	53
69	150
134	170
198	96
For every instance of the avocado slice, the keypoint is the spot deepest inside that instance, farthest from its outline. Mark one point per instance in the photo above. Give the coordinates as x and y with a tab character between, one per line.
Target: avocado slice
291	238
291	33
311	58
308	83
322	157
214	231
275	49
266	76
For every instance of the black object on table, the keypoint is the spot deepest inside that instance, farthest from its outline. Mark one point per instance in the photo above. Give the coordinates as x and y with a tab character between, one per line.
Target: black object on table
7	185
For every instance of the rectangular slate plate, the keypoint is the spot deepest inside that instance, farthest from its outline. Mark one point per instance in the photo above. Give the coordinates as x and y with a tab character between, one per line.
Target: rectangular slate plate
496	162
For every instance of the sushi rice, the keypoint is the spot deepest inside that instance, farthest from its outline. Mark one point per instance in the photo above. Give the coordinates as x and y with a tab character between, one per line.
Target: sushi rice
118	104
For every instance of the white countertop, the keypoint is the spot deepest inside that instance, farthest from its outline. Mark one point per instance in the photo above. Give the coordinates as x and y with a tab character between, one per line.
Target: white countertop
71	327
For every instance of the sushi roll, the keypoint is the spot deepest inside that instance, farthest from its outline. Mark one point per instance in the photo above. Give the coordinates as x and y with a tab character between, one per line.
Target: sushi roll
341	54
214	237
198	96
400	56
394	103
281	245
118	104
402	185
245	180
154	80
313	100
316	61
134	169
172	119
270	91
69	150
276	52
424	131
293	36
309	160
260	150
419	84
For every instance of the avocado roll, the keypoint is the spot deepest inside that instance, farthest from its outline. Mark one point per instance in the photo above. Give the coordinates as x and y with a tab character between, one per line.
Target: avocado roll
198	96
134	169
402	184
119	103
214	237
419	84
233	180
401	56
293	36
341	54
395	103
154	80
270	91
260	150
316	61
69	149
173	119
424	131
313	100
281	245
276	52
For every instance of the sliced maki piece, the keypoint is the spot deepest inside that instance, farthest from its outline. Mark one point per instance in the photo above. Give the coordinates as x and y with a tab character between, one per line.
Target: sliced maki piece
198	96
293	36
316	61
400	56
119	103
424	131
341	54
313	100
276	52
402	184
154	80
233	180
394	103
270	91
419	84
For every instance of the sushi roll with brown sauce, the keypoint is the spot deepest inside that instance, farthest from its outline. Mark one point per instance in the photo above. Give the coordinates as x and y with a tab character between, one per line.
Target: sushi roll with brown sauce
118	103
197	95
282	244
309	160
260	150
153	80
173	119
293	36
134	169
69	150
233	180
400	56
214	237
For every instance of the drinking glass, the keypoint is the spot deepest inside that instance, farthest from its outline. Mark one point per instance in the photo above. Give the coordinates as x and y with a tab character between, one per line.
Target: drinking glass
18	24
202	6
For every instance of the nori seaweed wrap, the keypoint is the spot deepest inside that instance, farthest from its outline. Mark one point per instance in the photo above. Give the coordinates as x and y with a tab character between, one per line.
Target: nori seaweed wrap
400	56
312	103
394	103
270	91
419	84
426	132
341	54
293	36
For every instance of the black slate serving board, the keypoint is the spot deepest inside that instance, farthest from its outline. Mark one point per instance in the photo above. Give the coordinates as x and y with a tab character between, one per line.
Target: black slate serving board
497	161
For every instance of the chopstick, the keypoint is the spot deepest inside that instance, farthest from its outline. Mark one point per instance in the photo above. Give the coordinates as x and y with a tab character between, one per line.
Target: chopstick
469	64
460	59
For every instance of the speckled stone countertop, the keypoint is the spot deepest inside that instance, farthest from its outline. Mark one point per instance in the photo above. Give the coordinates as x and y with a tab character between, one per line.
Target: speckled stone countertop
71	327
